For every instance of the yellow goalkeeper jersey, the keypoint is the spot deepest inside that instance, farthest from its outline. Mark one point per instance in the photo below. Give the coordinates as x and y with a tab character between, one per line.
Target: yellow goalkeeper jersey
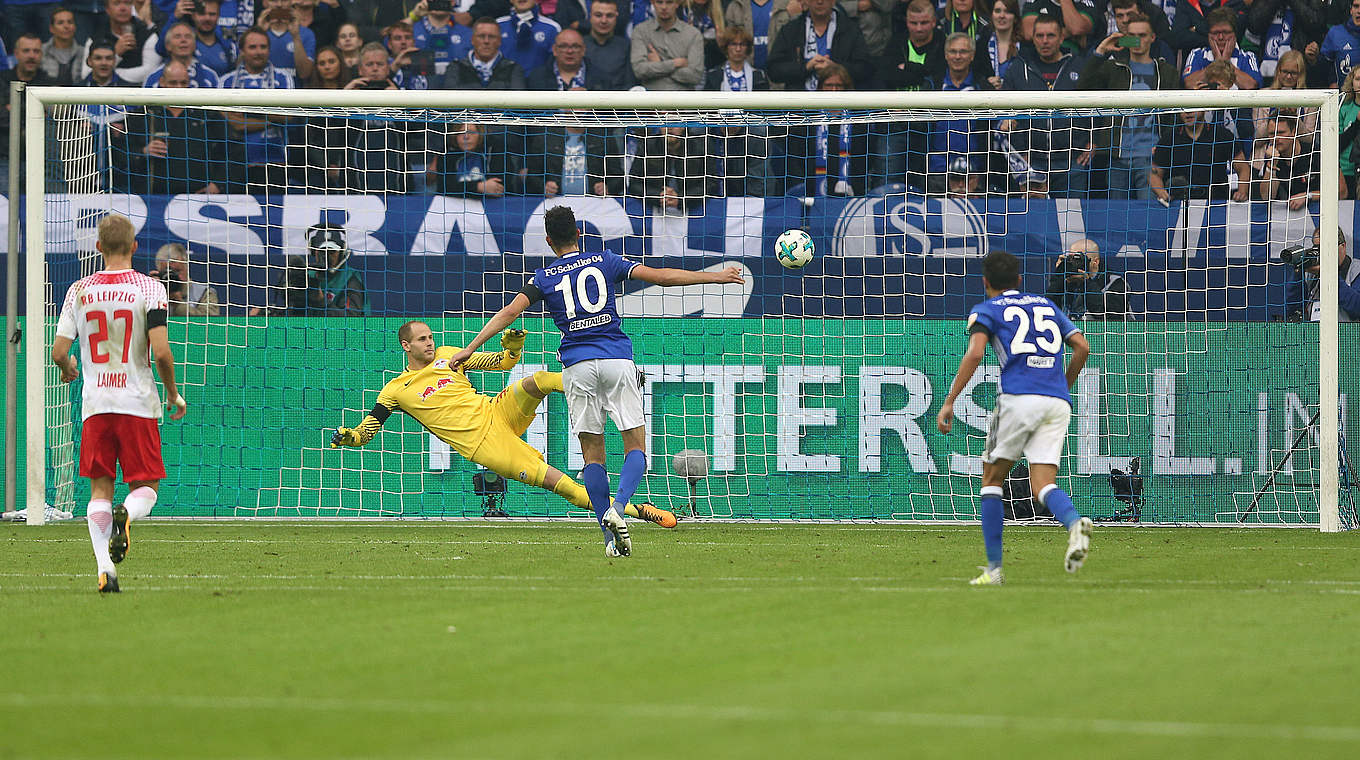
441	399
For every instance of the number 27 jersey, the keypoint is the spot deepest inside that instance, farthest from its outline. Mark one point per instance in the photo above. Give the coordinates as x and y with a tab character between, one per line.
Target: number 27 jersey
1027	333
578	290
105	314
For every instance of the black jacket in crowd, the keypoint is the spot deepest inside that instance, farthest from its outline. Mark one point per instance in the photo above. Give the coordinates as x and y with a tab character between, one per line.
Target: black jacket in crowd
681	165
505	75
785	63
546	153
198	152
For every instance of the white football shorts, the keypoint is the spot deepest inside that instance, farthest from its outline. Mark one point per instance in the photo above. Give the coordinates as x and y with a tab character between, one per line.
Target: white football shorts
598	386
1028	424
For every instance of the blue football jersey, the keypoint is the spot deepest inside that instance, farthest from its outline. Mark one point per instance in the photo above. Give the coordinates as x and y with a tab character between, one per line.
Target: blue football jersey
1027	334
578	290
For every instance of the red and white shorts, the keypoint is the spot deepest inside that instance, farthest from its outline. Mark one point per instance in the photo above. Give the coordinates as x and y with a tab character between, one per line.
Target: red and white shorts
107	440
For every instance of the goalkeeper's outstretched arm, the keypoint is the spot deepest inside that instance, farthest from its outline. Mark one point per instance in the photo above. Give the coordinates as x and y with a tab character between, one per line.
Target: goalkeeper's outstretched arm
501	320
369	427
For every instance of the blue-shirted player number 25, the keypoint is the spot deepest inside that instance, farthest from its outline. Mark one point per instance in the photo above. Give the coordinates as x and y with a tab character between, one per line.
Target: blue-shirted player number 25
1043	327
582	292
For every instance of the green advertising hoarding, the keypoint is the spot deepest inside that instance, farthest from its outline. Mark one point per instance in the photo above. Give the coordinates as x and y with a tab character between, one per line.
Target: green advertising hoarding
801	419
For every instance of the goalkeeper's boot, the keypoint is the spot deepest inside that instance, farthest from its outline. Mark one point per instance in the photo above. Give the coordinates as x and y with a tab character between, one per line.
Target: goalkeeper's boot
654	514
108	582
993	577
1078	544
121	538
618	528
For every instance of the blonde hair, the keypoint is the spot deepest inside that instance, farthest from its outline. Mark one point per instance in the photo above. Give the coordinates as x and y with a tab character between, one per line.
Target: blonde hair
1294	57
116	235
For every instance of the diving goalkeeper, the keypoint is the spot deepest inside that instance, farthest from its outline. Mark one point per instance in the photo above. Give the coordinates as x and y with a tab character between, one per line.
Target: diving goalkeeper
485	430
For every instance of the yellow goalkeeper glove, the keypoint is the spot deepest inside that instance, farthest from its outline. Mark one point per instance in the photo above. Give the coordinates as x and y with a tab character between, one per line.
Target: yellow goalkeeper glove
346	437
512	341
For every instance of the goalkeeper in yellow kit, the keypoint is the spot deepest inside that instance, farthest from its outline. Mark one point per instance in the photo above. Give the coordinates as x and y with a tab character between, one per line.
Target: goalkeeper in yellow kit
485	430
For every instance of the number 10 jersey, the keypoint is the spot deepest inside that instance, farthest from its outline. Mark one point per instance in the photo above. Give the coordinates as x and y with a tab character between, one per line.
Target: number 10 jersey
1027	333
578	290
106	315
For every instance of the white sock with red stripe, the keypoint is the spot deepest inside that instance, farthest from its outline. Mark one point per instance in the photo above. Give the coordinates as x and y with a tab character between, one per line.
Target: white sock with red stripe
99	517
140	502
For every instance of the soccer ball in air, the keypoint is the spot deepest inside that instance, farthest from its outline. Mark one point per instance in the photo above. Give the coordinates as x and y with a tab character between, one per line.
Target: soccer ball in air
794	249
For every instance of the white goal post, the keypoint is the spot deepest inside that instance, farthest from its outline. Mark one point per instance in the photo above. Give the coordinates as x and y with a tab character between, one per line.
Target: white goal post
700	107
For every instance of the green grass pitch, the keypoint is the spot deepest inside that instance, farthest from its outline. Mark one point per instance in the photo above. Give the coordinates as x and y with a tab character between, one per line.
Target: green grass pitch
469	640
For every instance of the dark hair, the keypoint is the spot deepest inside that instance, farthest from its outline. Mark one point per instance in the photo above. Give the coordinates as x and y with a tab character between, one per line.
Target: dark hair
560	224
61	10
1221	16
1123	3
614	3
1046	18
1002	270
100	45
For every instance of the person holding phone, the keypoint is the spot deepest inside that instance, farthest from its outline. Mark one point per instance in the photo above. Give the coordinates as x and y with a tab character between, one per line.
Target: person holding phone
1124	61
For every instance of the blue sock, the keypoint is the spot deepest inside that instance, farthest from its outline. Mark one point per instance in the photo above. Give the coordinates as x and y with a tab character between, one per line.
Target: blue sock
993	513
596	482
634	464
1060	504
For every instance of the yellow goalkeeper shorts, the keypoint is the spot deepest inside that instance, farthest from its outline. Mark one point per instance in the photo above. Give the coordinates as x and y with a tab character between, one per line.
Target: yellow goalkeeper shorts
503	450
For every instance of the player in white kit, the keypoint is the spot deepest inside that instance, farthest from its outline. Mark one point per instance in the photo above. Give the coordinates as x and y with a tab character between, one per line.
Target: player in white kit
118	316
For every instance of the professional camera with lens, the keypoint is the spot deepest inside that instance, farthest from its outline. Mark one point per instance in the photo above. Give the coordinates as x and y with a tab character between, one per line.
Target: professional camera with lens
174	284
1074	263
1300	257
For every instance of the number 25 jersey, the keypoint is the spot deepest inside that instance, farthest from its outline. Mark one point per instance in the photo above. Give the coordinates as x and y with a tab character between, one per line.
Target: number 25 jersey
1027	333
578	290
106	315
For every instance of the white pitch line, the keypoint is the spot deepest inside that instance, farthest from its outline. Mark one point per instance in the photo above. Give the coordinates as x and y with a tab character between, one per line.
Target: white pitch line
1069	725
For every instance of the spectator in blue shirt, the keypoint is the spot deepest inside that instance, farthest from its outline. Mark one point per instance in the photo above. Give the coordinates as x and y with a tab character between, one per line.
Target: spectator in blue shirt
180	47
437	33
957	137
1223	47
265	135
526	35
292	47
1341	46
214	50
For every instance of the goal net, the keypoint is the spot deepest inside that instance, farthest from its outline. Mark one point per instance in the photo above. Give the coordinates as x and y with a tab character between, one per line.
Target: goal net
1164	223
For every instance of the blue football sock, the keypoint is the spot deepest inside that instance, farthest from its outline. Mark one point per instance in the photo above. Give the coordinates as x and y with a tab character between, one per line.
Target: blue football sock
993	514
596	481
1060	504
634	464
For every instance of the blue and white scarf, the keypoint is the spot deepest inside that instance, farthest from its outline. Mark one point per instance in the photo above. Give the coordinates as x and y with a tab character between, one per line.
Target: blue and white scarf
824	159
576	81
742	81
814	46
484	68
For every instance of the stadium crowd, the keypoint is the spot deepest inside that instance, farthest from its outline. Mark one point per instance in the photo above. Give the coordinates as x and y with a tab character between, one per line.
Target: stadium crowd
944	45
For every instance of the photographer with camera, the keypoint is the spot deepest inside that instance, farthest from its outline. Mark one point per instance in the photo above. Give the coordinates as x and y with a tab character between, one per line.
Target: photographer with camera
187	298
321	285
1082	289
1303	284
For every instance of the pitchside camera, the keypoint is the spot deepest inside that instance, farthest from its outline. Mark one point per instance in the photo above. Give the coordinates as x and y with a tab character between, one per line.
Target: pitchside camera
1128	488
491	487
1300	257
